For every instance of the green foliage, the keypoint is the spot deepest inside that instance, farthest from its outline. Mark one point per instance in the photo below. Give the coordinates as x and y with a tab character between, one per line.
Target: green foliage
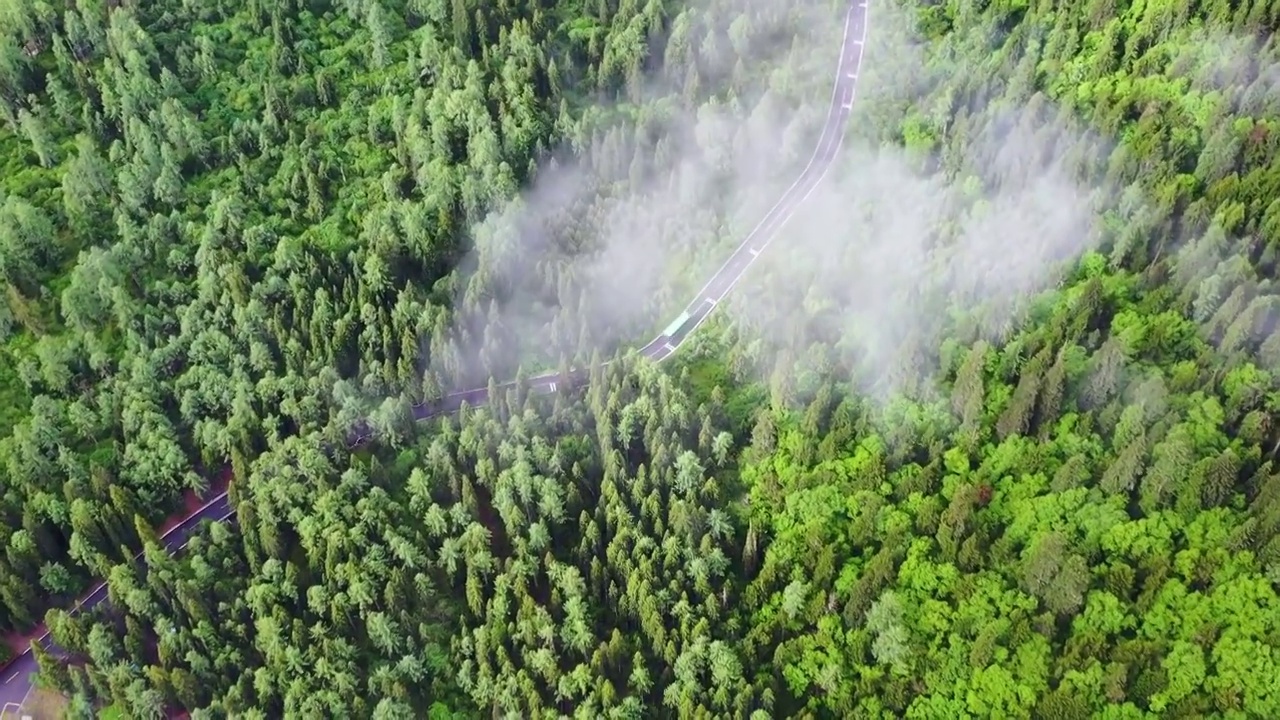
229	233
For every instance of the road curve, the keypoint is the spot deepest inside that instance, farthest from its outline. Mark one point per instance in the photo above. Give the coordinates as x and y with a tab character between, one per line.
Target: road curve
722	282
16	678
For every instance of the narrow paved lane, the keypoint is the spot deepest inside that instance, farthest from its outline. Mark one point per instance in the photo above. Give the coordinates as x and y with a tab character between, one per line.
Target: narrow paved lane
723	281
16	678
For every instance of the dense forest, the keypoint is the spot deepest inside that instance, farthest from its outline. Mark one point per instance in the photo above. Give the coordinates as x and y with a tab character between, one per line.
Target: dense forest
229	234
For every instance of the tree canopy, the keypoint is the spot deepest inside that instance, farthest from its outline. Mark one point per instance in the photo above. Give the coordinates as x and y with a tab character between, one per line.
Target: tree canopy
232	233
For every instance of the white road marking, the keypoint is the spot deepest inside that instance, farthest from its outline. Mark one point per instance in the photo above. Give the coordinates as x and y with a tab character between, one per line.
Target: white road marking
668	346
552	386
713	302
852	76
30	689
11	677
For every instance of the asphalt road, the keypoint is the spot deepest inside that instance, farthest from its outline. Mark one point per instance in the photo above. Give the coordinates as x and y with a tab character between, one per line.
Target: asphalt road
718	287
17	676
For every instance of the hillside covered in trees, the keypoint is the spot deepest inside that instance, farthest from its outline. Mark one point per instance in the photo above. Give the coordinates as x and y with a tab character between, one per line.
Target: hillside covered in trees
229	233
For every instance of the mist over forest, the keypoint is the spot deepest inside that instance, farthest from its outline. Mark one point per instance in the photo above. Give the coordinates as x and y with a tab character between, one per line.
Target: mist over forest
616	228
987	431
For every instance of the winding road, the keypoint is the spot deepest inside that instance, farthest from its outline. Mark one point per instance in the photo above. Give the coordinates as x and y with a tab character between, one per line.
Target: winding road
16	678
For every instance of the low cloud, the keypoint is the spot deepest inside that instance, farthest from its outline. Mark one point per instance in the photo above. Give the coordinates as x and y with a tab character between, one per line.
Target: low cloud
890	255
603	243
886	258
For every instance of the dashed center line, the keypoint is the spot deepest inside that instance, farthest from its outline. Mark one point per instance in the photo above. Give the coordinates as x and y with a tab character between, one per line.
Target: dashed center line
551	385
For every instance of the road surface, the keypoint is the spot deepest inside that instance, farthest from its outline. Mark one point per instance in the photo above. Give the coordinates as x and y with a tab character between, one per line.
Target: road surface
723	281
17	676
